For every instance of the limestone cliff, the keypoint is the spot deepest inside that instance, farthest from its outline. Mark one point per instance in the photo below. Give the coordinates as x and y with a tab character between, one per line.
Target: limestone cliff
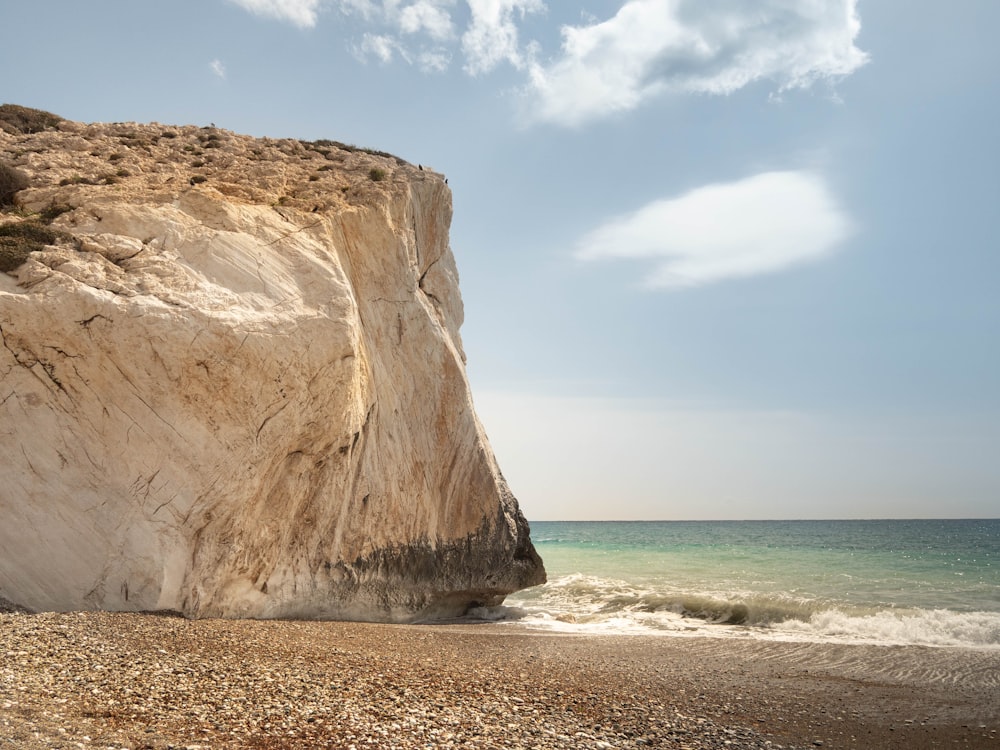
232	384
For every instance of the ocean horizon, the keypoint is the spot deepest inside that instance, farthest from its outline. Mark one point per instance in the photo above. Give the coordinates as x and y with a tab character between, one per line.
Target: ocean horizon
930	582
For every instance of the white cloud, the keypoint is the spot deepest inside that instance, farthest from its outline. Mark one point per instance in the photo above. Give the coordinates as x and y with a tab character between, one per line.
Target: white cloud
301	13
427	16
404	27
492	36
693	46
648	48
434	60
380	46
757	225
367	9
218	68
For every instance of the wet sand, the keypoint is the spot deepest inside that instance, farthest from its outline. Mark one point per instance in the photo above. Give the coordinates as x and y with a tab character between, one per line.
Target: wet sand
150	681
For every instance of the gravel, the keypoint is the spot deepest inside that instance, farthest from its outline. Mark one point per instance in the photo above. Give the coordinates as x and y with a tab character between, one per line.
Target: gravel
114	680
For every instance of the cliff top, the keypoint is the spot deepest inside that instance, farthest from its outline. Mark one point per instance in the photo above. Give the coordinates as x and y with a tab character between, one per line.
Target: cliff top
68	163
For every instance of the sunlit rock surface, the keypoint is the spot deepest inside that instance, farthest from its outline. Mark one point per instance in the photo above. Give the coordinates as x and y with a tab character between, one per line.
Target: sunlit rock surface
235	387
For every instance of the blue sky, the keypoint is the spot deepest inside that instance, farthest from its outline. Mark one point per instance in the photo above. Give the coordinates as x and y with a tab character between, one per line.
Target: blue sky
719	259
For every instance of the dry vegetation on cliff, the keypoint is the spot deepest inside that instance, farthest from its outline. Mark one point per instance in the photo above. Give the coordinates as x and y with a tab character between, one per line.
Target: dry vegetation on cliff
19	239
72	163
64	165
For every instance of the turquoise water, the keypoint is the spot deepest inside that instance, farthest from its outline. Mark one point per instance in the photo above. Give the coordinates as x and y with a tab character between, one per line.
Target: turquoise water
932	582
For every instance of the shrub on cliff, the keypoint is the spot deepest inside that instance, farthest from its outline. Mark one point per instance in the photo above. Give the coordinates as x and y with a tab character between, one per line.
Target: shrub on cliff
14	251
324	146
18	240
17	119
52	211
11	181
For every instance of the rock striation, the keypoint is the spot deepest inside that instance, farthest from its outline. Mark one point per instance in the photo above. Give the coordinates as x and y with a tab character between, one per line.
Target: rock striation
232	384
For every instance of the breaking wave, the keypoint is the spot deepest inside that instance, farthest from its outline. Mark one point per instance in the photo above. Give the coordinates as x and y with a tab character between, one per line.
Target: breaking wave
580	603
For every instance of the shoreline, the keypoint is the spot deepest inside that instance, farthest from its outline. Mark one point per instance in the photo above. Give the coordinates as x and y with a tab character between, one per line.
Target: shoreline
116	680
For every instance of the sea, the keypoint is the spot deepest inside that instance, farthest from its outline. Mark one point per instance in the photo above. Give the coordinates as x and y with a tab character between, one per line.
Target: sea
900	582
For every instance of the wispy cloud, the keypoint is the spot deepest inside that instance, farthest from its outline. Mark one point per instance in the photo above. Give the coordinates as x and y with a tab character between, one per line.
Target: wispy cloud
402	29
434	60
301	13
492	36
385	48
380	46
651	47
757	225
218	68
648	48
426	16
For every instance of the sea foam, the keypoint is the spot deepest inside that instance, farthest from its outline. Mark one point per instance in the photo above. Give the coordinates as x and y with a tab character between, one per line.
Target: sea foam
589	604
931	582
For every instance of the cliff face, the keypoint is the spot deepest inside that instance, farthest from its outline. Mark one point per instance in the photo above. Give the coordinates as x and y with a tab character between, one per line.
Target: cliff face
233	385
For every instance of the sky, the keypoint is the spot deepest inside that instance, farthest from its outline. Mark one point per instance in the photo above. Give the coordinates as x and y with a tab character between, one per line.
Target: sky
720	260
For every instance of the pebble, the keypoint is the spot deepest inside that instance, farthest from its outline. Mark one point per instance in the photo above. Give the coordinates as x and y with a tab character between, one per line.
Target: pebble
148	682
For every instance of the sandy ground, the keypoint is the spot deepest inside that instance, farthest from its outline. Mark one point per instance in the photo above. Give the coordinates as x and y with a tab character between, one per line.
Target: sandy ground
100	680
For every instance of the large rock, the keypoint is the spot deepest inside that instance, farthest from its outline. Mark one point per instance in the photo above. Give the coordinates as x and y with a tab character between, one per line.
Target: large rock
237	387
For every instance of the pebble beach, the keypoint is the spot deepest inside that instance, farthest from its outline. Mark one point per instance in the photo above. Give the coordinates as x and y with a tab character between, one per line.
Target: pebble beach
115	680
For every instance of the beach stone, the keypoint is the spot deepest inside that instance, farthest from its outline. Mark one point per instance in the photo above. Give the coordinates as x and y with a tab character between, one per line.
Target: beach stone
242	395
